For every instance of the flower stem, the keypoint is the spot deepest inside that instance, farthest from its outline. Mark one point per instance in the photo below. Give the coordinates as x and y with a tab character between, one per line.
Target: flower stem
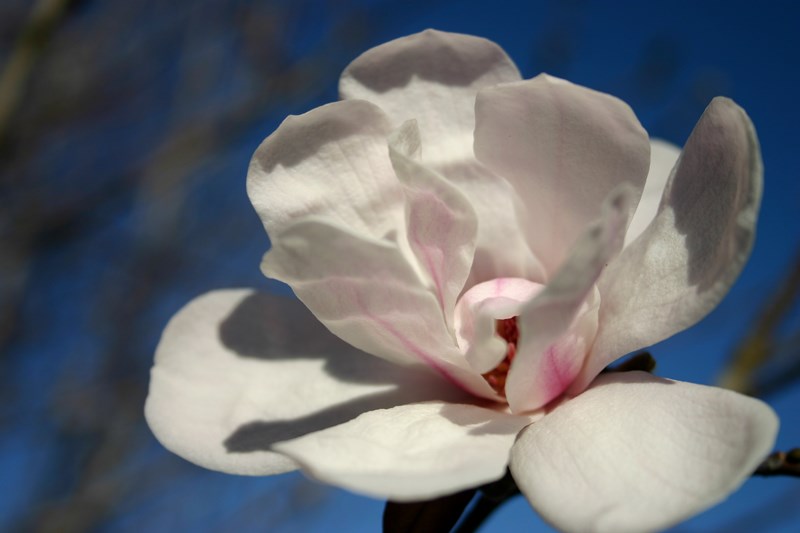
477	514
440	514
490	498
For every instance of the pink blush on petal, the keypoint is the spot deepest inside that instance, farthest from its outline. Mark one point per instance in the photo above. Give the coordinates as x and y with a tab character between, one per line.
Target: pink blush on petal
559	368
500	289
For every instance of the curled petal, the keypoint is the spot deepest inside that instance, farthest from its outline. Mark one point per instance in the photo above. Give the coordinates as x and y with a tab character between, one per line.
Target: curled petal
663	156
557	327
486	350
411	452
683	264
564	148
332	163
433	77
441	225
238	370
367	293
640	453
476	317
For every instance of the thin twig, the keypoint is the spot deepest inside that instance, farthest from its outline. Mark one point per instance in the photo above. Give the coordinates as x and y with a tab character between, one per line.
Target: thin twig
759	346
780	464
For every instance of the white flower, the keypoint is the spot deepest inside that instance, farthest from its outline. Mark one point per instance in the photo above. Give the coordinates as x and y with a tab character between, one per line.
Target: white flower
447	216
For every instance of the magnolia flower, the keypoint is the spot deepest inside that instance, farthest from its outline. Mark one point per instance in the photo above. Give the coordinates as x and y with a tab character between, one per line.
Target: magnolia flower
484	246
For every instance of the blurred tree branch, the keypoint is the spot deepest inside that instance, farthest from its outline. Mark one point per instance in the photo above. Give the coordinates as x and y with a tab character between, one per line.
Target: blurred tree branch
106	418
762	343
44	18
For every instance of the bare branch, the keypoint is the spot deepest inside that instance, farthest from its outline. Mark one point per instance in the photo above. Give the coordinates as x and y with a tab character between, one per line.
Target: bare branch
34	36
759	346
780	464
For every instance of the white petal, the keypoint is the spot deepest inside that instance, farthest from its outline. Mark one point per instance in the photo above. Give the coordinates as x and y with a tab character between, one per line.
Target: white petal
688	257
639	453
441	225
433	77
365	292
663	156
564	148
412	452
237	371
330	162
476	316
486	350
557	327
501	249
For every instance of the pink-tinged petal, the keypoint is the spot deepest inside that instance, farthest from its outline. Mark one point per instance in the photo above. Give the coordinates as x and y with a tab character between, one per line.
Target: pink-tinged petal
688	257
564	148
330	162
237	371
486	350
367	293
501	249
557	327
640	453
441	225
432	77
477	313
663	156
412	452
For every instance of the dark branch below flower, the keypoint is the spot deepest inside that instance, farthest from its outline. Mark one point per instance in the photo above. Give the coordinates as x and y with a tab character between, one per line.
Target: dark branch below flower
780	464
643	361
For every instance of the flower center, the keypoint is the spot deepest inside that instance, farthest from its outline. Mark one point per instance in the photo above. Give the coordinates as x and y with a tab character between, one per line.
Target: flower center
486	330
506	328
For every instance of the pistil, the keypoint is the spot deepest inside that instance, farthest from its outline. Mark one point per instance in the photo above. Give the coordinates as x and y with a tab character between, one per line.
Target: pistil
507	329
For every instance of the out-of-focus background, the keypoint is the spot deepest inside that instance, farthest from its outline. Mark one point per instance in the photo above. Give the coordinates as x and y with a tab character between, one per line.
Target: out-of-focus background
125	133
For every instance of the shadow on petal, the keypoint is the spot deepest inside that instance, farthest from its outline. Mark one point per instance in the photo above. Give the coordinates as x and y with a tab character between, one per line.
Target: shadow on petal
261	435
447	59
275	328
684	262
715	193
486	421
300	137
277	331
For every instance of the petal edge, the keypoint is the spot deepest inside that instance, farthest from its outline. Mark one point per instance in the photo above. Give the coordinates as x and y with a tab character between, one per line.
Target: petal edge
639	453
